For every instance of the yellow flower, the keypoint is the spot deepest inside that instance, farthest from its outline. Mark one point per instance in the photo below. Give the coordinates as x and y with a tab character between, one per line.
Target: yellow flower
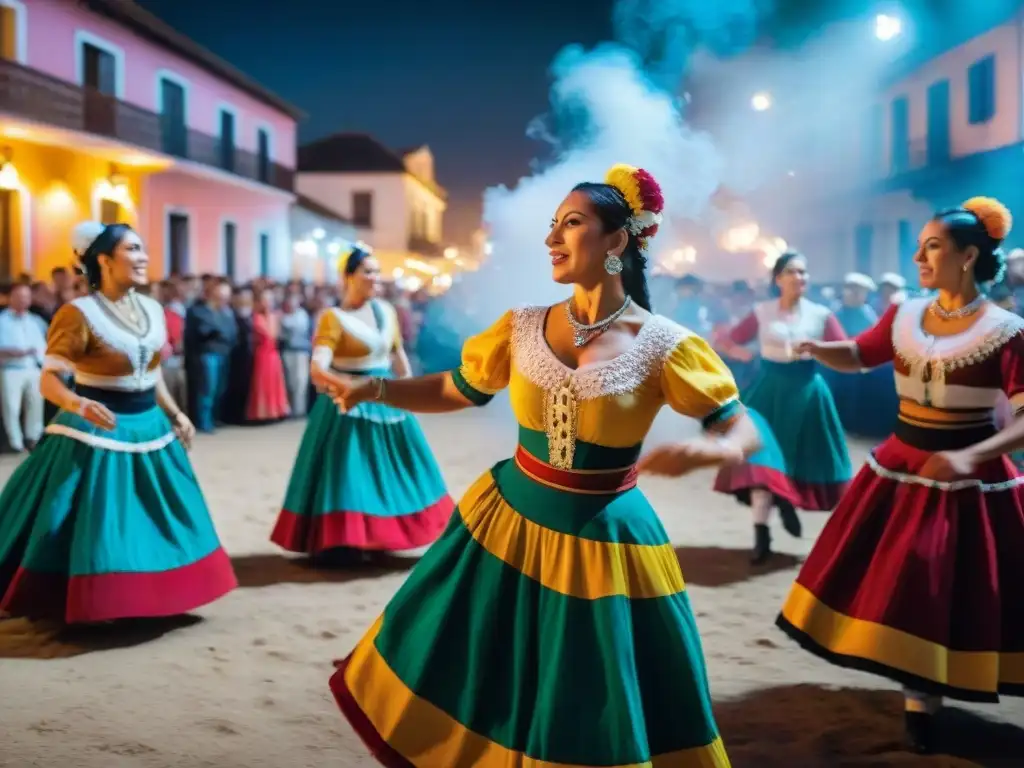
623	178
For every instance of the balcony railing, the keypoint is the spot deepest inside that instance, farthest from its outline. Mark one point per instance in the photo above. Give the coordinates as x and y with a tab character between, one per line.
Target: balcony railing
424	247
37	96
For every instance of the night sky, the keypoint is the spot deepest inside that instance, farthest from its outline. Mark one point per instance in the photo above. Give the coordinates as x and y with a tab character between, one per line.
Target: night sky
464	76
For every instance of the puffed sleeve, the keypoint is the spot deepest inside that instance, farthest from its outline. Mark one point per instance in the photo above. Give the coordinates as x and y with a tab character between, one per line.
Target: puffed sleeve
486	362
1011	364
696	383
66	340
326	339
874	346
745	331
833	329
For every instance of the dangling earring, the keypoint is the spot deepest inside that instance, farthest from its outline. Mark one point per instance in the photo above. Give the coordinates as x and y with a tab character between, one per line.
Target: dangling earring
965	267
612	264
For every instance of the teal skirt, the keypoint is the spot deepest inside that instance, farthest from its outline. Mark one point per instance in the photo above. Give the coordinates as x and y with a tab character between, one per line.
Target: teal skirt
99	525
365	480
803	460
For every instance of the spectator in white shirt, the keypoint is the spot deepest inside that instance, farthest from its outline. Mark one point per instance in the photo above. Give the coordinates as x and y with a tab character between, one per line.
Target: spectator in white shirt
22	346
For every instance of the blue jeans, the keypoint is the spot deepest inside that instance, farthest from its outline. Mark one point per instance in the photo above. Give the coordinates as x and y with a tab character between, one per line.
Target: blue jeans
213	382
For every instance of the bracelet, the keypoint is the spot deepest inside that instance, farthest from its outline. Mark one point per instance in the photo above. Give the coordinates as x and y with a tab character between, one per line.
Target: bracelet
381	388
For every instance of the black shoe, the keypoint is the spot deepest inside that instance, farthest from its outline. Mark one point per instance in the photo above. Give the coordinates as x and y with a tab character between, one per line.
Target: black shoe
790	520
762	544
920	732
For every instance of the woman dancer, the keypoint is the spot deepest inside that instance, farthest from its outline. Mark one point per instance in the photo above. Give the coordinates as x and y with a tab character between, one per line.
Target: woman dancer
850	390
550	625
365	480
918	574
804	462
268	395
105	519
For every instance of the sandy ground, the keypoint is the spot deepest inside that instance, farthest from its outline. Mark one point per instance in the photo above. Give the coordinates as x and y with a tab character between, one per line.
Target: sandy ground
245	685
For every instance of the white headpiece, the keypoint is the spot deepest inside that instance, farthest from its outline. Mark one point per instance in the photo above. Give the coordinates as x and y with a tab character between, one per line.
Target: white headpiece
860	280
84	235
1016	253
893	281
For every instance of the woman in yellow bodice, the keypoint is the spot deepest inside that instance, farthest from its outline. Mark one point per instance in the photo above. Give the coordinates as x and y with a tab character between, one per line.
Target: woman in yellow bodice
550	624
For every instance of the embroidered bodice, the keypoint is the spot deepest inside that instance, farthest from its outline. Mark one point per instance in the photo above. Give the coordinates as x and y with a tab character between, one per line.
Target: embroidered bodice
777	332
966	371
87	339
349	342
611	403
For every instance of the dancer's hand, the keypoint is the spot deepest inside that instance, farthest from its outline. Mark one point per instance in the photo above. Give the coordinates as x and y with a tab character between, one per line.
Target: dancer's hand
809	348
349	391
184	429
96	413
742	354
682	458
945	466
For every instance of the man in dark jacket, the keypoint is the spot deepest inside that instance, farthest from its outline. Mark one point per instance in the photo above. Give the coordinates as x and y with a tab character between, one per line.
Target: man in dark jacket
210	334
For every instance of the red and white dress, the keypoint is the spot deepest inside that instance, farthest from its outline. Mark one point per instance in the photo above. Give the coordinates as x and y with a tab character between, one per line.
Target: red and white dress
914	579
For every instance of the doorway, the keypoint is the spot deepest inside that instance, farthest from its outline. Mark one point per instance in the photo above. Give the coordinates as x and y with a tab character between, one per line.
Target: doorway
177	243
7	222
230	249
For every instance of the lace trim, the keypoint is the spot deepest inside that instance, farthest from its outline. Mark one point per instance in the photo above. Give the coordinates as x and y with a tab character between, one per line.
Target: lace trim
138	350
109	443
618	376
950	353
942	485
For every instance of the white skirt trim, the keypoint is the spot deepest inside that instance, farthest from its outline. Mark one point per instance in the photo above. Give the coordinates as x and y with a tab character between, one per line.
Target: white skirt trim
108	443
942	485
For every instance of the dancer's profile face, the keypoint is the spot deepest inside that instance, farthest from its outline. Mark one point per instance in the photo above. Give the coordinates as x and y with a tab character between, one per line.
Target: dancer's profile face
578	242
792	281
128	265
940	264
364	283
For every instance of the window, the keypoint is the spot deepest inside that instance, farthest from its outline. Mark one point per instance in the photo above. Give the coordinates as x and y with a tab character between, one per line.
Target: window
227	140
907	248
173	125
264	254
862	245
981	90
230	245
110	212
263	155
177	243
899	114
99	69
8	33
362	209
938	122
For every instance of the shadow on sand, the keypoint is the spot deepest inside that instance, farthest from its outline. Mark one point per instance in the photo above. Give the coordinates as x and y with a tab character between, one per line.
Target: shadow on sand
717	567
266	570
27	639
807	726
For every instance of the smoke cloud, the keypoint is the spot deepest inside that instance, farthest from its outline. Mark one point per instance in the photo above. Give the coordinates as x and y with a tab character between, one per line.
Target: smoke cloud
617	103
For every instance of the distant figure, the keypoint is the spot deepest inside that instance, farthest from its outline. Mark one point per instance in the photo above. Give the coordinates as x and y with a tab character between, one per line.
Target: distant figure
22	347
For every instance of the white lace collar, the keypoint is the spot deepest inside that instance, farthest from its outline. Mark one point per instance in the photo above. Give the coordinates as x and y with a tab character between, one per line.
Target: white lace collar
916	348
621	375
139	350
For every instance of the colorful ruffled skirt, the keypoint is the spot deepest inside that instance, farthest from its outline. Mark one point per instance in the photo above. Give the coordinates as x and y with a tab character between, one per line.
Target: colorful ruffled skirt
919	581
803	459
365	480
549	625
98	525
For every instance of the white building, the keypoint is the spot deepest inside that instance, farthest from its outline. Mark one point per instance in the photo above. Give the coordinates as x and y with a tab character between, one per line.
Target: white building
319	236
391	198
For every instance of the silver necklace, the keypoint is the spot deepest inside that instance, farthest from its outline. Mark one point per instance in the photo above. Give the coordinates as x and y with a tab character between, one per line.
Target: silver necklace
583	333
956	314
128	312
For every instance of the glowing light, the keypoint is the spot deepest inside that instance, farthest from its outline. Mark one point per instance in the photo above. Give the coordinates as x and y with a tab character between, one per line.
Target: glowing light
887	27
741	238
421	266
488	248
769	260
412	283
116	190
761	102
305	247
319	234
397	273
9	179
15	132
780	244
442	281
451	253
334	248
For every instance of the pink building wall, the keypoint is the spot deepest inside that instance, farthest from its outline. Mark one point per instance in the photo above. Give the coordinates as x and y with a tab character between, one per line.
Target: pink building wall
52	27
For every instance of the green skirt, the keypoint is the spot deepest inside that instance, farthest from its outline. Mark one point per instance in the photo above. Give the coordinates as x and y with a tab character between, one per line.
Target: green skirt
546	627
100	525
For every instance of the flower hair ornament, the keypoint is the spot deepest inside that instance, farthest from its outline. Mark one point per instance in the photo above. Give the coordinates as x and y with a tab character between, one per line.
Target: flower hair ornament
997	221
360	250
643	196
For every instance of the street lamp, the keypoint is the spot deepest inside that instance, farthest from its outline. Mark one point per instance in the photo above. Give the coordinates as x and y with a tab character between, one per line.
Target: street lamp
887	27
761	102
